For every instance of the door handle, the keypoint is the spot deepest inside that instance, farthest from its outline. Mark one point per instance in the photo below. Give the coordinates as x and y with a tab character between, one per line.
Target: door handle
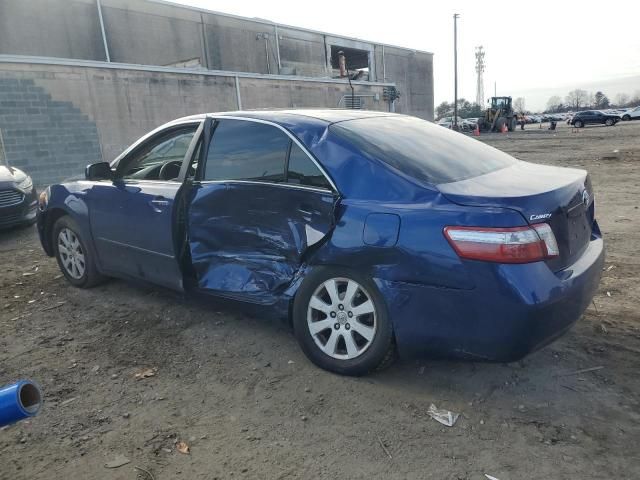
159	203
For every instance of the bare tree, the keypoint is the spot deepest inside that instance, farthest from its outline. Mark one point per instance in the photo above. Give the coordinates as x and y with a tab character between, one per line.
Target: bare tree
518	104
601	100
554	103
576	98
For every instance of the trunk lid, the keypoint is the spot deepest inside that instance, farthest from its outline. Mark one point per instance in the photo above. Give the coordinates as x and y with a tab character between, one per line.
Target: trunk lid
561	197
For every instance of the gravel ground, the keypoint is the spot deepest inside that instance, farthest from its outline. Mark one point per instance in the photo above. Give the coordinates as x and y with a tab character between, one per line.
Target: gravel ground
238	391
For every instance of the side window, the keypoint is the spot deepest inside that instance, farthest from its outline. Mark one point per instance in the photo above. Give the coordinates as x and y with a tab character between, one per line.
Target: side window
243	150
303	171
160	158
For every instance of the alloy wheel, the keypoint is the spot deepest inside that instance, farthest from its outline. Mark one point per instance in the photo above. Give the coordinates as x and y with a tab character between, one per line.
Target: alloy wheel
71	253
341	318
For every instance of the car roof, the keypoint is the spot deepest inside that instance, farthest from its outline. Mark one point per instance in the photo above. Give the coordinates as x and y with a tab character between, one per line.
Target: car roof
327	116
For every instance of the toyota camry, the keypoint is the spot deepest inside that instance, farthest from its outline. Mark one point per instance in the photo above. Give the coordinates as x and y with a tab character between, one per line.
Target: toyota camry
373	233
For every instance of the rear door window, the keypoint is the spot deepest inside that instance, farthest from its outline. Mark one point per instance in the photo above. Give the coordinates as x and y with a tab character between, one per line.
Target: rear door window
303	171
245	150
420	149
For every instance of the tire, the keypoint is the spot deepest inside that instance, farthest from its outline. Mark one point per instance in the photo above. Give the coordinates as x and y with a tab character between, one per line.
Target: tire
79	266
512	124
578	124
337	345
626	118
501	122
609	122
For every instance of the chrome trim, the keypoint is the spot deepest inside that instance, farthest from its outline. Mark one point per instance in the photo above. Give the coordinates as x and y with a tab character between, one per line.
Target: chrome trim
133	247
272	184
11	198
288	133
195	120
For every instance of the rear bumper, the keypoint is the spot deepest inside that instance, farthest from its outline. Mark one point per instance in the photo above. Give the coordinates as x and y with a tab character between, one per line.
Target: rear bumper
514	309
23	213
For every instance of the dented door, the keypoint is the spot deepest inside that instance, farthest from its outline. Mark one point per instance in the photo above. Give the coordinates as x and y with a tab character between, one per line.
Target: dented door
259	205
247	239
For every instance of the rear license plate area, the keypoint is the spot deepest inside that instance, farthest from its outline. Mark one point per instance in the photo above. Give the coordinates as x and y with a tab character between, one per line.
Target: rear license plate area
579	229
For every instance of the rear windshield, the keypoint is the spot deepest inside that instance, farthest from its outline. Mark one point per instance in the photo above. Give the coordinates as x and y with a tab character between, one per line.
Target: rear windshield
421	149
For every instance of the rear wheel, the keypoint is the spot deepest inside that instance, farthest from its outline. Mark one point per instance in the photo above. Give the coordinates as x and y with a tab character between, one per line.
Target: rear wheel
578	124
608	122
341	323
75	260
512	124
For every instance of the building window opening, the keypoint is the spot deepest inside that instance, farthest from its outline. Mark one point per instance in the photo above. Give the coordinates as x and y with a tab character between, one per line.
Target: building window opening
356	62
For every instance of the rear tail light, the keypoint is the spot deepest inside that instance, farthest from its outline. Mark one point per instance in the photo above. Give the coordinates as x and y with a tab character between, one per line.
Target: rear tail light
503	245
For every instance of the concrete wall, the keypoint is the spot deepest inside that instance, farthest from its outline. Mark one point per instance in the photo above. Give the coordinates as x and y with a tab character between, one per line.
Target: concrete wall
56	119
51	28
48	138
155	33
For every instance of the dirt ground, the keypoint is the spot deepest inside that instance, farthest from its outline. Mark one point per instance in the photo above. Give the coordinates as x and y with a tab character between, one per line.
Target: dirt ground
240	393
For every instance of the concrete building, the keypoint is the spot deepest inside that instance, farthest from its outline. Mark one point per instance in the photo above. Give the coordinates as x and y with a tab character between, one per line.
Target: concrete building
81	79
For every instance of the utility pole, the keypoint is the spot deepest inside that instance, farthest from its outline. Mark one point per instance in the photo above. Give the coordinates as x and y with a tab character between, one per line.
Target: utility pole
455	71
480	65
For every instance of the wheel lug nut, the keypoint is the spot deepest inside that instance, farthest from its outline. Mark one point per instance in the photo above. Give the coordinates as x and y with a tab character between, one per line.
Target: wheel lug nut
350	314
337	326
333	314
341	307
347	326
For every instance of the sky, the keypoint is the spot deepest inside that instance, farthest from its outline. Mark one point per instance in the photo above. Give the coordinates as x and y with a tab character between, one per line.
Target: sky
534	49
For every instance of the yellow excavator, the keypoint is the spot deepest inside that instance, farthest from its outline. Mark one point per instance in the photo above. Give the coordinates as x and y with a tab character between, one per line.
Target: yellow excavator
499	114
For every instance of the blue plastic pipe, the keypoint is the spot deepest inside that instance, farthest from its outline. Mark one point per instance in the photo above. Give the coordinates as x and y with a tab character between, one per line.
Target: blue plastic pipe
19	401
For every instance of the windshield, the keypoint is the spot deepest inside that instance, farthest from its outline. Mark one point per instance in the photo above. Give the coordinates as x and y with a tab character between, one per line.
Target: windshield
421	149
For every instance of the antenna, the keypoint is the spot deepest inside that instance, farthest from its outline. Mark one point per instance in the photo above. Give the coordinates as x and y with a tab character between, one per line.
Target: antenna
480	70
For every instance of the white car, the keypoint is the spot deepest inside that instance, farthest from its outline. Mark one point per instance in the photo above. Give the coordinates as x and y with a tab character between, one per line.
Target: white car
631	114
447	122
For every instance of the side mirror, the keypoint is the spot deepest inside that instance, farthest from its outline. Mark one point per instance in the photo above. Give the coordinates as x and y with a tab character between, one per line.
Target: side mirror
98	171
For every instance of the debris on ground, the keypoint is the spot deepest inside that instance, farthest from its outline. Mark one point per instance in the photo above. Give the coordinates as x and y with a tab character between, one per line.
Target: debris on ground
445	417
384	447
182	447
146	373
146	472
117	462
578	372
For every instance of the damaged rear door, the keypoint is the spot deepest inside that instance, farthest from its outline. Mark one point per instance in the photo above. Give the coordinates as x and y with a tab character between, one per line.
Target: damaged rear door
261	202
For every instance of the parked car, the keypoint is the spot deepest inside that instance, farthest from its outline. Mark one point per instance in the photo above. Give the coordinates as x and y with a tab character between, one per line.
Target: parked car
370	231
631	114
447	122
593	117
469	124
18	197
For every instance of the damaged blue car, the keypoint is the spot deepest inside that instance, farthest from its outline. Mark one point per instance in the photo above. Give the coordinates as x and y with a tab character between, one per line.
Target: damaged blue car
372	232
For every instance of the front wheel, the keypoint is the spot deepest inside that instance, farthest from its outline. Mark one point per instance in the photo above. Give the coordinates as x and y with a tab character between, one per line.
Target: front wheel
608	122
74	258
341	322
626	118
578	124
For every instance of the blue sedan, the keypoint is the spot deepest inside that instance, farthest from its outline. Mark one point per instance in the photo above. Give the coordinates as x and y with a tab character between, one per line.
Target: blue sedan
374	233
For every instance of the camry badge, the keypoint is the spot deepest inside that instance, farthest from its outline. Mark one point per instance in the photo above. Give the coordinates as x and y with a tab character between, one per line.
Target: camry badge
539	216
